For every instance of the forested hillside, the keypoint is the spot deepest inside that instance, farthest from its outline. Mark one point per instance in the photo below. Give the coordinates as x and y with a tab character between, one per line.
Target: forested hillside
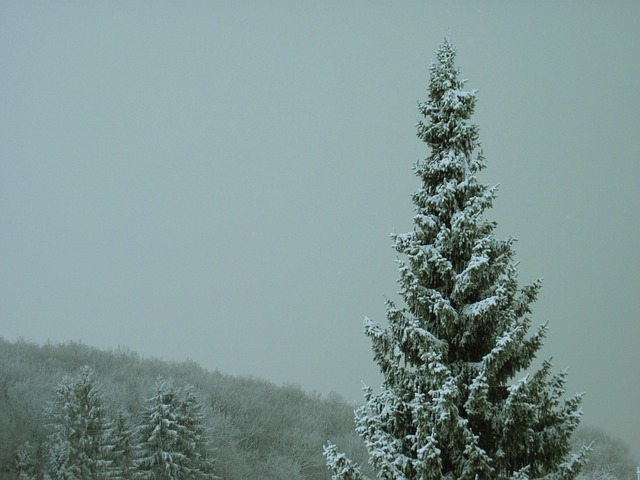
254	428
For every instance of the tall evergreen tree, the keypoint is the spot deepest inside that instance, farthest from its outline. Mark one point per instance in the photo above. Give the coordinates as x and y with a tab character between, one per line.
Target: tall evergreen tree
450	406
79	444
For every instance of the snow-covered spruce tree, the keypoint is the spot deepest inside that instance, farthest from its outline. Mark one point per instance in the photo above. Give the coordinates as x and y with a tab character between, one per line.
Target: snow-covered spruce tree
194	442
159	455
451	405
79	445
172	438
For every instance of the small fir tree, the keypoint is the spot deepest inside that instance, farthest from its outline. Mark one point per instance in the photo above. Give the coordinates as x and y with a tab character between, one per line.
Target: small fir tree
449	407
194	442
79	445
172	438
159	456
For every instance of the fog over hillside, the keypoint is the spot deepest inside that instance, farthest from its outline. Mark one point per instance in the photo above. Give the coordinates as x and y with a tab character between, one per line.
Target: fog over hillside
217	181
256	429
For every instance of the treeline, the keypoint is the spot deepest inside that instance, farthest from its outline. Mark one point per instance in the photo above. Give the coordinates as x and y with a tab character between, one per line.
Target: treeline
247	428
220	426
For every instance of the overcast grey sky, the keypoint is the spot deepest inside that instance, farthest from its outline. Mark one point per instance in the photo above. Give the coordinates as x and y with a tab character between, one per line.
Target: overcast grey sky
218	180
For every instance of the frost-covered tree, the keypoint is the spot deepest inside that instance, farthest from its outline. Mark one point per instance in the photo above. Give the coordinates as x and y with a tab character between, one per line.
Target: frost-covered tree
456	401
79	445
194	441
172	438
159	455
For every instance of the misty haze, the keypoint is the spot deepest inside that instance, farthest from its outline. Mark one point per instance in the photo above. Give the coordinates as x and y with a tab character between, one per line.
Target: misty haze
197	202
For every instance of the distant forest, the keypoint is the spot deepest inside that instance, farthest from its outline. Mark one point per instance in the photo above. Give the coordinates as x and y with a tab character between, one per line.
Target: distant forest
255	429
